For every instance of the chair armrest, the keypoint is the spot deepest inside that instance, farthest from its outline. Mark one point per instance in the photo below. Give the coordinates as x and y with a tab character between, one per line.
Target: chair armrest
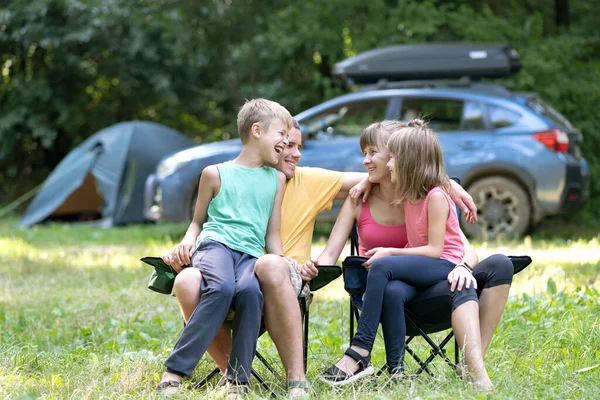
519	263
327	274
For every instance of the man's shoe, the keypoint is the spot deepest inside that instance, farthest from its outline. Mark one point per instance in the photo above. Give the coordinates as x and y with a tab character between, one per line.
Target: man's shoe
298	389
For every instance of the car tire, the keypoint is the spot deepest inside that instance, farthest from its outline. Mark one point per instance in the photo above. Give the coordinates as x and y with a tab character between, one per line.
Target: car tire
503	209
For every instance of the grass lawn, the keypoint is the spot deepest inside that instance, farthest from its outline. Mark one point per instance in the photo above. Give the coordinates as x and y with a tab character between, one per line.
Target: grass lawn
77	322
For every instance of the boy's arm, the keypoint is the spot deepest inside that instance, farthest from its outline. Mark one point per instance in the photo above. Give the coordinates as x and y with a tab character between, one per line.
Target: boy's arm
208	187
437	214
273	238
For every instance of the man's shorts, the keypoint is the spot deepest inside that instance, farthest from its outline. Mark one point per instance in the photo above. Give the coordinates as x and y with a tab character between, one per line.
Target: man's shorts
296	279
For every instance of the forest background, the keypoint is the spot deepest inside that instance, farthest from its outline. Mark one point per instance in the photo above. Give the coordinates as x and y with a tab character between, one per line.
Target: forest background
72	67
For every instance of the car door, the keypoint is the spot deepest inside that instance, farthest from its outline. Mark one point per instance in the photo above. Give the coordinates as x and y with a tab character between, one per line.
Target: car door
460	125
331	137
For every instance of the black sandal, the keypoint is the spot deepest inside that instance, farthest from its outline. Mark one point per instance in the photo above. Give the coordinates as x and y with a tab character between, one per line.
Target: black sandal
162	389
336	377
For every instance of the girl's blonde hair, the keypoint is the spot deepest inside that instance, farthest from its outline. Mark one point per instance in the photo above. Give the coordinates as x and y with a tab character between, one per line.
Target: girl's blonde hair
378	133
418	160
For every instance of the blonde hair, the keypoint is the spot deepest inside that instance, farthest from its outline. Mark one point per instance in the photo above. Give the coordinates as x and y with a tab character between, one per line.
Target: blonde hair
378	133
263	112
418	160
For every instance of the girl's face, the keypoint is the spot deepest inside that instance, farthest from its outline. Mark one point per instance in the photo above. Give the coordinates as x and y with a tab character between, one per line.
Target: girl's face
376	158
391	166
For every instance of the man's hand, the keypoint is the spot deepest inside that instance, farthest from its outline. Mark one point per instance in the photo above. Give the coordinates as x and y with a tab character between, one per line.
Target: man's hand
464	201
362	189
374	254
309	270
460	277
180	257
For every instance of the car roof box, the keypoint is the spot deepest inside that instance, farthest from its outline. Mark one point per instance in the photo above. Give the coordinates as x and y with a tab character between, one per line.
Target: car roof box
430	61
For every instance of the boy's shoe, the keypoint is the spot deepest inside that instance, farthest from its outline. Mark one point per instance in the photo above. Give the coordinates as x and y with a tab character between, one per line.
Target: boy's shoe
237	390
336	377
232	390
167	388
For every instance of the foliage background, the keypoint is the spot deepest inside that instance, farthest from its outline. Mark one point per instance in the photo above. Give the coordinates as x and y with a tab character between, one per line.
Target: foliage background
69	68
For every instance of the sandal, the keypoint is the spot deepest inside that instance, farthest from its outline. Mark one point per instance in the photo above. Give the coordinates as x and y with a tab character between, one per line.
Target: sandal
167	388
237	390
335	376
301	385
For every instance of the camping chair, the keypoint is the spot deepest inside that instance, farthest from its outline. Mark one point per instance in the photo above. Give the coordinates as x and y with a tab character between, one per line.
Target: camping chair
416	323
327	273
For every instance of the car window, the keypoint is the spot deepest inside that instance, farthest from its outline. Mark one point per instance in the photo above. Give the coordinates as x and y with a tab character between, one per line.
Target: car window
441	114
501	117
473	119
348	119
547	111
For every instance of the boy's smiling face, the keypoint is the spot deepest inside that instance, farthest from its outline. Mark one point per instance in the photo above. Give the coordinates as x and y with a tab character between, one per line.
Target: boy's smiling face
273	140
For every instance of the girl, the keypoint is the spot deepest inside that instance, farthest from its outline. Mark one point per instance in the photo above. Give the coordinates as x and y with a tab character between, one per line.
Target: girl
435	243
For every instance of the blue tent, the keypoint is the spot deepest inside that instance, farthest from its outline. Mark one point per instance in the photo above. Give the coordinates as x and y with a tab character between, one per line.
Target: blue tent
106	174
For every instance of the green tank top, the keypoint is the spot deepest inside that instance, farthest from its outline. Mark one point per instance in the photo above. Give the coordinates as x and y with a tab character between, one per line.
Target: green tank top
239	214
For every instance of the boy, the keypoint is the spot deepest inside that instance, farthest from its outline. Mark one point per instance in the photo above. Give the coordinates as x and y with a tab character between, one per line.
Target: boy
238	212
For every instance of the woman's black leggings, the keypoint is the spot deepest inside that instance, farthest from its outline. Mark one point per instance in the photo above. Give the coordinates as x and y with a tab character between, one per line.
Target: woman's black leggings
434	304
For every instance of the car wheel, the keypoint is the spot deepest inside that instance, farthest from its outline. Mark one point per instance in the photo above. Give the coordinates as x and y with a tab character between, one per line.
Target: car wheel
503	209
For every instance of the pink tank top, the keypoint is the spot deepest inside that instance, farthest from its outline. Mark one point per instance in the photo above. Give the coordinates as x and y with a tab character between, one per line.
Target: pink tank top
371	234
417	227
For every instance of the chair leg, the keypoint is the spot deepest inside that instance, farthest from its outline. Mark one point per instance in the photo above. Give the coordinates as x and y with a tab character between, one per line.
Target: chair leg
268	365
262	382
456	352
351	320
422	364
204	381
437	351
305	339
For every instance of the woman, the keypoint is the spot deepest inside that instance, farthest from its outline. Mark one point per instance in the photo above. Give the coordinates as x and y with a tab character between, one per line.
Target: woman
380	223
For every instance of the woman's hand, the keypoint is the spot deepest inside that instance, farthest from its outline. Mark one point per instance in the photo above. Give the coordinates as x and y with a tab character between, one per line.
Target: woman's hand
460	277
376	253
308	270
180	257
464	201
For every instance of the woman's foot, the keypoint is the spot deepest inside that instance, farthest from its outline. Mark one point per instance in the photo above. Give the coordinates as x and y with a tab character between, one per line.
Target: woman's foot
479	380
355	364
169	384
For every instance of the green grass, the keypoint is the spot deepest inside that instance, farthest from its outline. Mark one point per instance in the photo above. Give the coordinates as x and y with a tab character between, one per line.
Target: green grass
76	320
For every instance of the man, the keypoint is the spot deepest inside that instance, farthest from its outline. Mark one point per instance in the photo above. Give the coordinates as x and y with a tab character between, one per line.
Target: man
308	192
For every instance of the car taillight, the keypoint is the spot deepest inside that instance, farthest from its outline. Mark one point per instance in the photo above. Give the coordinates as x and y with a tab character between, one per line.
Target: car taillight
554	139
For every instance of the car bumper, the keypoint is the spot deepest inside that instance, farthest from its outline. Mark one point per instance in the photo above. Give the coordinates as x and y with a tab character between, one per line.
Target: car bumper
577	188
152	198
164	199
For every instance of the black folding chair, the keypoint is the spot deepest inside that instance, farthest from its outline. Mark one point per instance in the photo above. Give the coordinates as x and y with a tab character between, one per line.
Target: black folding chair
417	324
327	273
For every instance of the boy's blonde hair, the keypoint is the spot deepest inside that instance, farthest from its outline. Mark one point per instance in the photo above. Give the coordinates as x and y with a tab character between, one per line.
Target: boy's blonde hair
378	133
418	159
263	112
